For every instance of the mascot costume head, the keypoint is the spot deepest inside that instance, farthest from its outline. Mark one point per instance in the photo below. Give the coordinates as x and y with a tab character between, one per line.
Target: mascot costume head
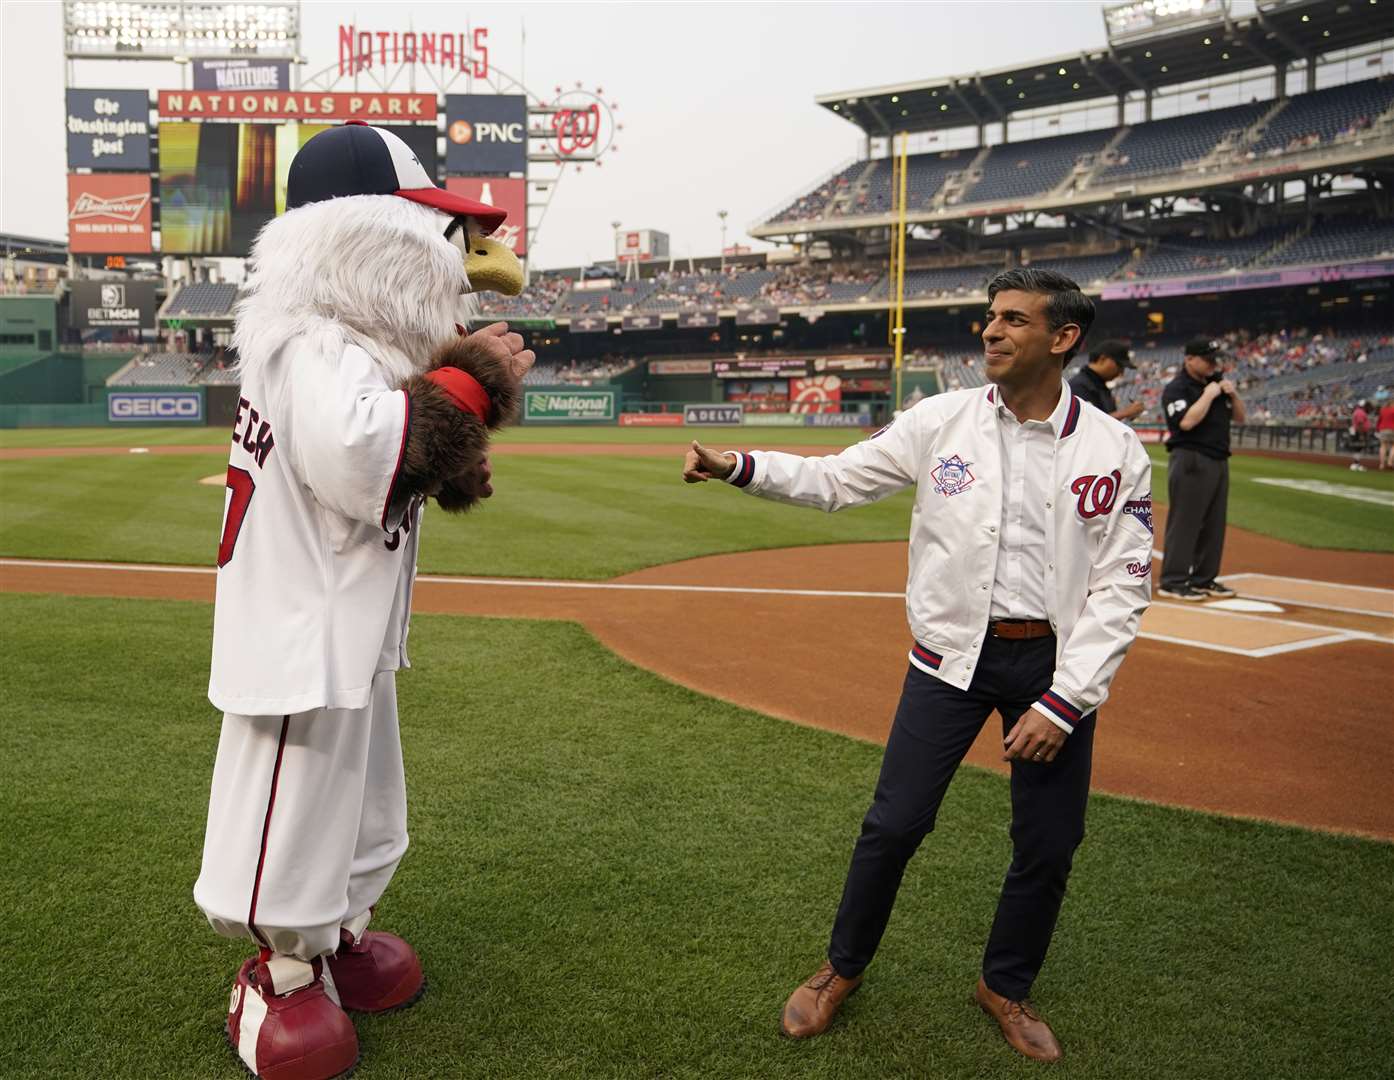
361	397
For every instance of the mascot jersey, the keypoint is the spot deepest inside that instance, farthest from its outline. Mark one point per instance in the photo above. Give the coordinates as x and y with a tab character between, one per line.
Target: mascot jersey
318	549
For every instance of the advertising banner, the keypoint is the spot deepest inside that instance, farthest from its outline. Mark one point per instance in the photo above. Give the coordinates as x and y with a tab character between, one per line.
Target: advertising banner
569	406
680	367
108	129
1257	279
818	394
154	406
641	322
108	213
129	304
711	415
852	363
510	196
769	367
650	419
773	419
838	419
588	324
486	133
289	105
241	74
698	318
865	386
757	316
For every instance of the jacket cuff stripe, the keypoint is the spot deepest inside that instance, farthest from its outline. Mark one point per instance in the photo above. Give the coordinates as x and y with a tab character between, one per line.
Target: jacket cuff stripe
1061	708
926	656
744	472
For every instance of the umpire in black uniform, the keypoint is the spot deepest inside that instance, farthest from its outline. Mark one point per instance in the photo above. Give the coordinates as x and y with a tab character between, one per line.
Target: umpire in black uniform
1090	383
1199	404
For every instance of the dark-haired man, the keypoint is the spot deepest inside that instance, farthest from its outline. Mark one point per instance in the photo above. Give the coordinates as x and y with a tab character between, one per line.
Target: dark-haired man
1108	360
1199	405
1030	550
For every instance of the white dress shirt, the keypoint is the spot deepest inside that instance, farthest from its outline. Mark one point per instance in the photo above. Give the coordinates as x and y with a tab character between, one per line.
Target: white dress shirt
1028	461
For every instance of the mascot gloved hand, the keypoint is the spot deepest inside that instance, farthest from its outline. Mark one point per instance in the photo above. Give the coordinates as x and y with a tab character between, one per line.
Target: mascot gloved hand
361	397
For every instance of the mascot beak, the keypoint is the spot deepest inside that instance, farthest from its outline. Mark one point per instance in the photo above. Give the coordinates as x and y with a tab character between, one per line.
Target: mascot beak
492	267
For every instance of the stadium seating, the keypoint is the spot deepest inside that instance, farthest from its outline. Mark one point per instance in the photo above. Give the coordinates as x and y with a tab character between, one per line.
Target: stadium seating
1324	116
1332	242
1021	170
1166	145
813	204
1182	255
161	369
205	299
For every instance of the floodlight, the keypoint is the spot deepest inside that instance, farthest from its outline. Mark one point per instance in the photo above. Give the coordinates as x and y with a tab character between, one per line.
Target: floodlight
160	29
1144	18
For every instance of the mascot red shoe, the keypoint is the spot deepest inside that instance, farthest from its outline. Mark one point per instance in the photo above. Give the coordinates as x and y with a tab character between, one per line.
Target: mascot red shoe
361	397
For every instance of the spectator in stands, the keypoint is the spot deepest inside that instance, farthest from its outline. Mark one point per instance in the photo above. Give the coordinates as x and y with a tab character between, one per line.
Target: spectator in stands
1384	431
1090	383
1360	434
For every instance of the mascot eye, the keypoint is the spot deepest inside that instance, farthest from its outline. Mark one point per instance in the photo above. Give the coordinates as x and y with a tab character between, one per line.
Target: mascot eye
458	235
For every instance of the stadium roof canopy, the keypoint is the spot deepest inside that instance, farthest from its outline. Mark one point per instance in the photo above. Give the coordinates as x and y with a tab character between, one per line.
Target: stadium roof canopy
1277	32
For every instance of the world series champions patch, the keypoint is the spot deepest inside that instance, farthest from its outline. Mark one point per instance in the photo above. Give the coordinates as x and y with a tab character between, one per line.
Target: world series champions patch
1140	509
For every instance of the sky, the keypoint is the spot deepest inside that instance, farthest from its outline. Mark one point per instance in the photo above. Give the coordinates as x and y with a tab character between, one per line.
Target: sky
716	99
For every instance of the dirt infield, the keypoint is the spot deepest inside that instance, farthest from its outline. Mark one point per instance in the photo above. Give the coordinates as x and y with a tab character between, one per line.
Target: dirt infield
817	636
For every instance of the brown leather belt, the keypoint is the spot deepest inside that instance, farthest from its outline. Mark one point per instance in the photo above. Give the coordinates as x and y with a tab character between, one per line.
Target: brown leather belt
1019	629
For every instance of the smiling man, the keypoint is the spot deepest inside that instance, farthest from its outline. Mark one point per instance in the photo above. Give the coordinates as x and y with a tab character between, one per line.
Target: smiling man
1030	556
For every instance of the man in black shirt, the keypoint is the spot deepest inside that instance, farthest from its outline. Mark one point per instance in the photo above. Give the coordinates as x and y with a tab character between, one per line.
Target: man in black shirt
1199	405
1090	383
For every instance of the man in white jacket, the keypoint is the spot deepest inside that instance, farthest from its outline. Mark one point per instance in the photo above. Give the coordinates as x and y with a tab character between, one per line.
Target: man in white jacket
1030	564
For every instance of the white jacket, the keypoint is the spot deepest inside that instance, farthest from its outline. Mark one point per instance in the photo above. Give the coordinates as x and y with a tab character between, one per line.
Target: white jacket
1098	535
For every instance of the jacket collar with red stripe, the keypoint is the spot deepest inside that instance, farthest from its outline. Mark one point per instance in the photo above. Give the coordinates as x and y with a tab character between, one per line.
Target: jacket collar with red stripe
1065	418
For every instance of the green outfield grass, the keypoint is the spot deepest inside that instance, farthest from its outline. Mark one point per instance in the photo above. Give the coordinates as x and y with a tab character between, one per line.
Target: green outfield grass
611	876
571	517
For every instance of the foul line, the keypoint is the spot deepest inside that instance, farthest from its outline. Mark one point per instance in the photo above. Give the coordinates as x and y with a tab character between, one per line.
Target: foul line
1328	635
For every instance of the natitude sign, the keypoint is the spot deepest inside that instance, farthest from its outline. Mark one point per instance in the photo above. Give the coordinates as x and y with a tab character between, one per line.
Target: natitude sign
241	74
109	213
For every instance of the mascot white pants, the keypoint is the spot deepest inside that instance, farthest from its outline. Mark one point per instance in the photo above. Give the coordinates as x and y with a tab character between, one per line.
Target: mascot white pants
327	829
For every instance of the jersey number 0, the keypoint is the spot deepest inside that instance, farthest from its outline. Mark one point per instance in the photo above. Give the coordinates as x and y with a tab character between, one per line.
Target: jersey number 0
240	483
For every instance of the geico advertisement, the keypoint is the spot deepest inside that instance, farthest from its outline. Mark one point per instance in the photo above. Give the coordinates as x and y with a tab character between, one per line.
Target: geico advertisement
152	406
486	133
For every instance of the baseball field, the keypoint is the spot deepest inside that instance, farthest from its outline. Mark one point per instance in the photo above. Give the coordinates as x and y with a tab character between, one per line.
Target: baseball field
641	728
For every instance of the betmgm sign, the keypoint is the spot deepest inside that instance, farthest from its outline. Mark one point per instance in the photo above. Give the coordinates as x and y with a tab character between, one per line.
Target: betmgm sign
154	407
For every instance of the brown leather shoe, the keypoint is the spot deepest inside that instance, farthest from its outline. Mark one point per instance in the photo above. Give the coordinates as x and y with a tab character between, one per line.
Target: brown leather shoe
1021	1025
811	1008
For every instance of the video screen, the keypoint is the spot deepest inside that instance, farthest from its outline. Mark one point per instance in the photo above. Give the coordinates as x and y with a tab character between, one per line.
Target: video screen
220	183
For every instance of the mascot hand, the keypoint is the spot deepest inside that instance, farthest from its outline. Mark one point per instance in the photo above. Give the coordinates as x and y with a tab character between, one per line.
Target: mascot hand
471	385
496	340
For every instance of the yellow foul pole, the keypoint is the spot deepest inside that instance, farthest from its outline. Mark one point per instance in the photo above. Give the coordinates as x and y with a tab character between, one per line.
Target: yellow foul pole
899	247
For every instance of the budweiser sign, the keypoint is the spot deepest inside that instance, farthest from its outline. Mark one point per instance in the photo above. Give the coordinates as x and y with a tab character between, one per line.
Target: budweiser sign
109	213
216	105
126	208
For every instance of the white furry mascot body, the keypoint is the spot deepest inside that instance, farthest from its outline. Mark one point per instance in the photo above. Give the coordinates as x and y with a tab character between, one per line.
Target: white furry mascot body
360	398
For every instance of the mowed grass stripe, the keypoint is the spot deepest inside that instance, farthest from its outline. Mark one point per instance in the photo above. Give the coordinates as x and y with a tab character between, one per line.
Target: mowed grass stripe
614	877
555	517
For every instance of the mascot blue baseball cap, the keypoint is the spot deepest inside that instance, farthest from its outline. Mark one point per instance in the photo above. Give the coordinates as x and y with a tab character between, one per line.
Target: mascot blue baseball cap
358	159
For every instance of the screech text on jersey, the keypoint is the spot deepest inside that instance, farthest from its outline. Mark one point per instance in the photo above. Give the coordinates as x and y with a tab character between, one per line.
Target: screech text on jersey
256	438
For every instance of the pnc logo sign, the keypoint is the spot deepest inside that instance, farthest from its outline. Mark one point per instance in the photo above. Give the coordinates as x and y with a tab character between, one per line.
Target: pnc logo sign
462	132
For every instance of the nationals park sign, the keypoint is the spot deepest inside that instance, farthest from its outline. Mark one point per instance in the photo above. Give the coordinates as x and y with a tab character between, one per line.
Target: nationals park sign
313	105
569	406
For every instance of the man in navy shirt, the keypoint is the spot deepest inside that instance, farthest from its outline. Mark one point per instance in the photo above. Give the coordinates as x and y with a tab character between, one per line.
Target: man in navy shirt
1199	405
1108	360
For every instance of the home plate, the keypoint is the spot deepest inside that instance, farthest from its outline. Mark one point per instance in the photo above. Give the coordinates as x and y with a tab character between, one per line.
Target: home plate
1236	604
139	450
220	480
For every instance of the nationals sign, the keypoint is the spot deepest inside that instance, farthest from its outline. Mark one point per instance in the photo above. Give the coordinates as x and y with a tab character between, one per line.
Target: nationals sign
109	213
505	193
314	105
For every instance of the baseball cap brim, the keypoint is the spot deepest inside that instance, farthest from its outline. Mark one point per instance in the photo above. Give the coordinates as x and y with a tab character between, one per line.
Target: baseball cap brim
489	217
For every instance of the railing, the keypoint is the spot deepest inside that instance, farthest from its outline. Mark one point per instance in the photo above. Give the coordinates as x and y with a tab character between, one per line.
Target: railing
803	189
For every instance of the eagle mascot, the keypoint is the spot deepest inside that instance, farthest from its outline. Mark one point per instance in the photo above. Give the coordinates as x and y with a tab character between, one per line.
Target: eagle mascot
361	397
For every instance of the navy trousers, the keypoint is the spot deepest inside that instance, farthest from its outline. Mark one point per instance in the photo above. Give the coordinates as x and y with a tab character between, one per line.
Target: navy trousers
934	726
